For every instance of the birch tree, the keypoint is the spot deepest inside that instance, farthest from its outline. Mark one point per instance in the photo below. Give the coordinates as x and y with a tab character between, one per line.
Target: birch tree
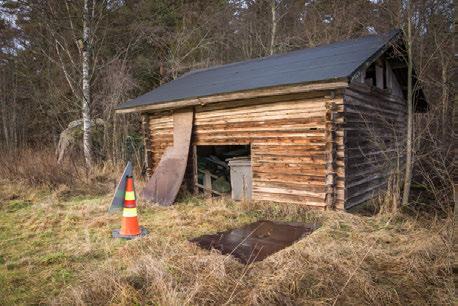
273	31
86	70
73	44
409	140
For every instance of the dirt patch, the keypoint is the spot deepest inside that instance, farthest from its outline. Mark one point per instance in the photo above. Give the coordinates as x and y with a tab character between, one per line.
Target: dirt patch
255	241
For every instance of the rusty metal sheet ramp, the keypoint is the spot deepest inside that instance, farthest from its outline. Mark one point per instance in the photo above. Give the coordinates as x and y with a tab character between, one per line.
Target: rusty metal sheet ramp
256	241
164	184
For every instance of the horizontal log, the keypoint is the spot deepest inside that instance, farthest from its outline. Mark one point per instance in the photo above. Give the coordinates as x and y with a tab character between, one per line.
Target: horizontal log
271	116
272	91
307	133
275	149
363	89
221	140
302	122
262	109
369	195
282	159
303	193
376	112
304	178
286	198
371	189
355	98
300	170
311	95
291	183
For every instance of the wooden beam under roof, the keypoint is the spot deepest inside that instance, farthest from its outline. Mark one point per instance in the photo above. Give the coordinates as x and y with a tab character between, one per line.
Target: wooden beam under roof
258	93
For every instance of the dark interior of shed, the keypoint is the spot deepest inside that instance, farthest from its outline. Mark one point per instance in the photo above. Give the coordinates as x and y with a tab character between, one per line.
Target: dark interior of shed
213	172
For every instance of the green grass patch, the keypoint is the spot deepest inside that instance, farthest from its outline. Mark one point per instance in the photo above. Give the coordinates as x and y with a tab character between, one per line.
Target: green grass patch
15	205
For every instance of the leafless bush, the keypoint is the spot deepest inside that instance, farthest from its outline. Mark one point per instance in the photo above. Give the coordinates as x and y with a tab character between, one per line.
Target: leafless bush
116	83
39	168
36	167
434	169
432	182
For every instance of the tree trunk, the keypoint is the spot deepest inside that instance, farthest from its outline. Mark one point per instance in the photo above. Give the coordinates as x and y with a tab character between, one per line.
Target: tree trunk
5	124
13	106
4	106
409	141
445	109
273	32
86	101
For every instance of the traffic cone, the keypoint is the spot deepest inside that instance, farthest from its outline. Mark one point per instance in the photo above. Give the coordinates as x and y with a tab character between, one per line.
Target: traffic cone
129	224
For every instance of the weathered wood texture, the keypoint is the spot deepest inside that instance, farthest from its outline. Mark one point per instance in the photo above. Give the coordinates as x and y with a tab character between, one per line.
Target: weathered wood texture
289	139
148	146
374	141
314	149
275	91
168	175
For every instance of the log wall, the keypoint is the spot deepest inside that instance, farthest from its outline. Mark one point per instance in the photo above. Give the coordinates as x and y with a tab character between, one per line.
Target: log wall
323	149
293	145
374	131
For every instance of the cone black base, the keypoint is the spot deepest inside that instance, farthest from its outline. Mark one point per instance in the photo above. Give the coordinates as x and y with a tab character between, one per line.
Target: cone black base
117	234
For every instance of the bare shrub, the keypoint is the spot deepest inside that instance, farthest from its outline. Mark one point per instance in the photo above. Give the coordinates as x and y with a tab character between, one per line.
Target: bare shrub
116	83
436	163
36	167
39	168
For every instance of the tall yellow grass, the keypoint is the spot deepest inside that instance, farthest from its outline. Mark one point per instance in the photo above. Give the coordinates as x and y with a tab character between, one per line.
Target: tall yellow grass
350	259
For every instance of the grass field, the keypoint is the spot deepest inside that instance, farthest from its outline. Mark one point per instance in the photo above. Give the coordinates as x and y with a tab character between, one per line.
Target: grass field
56	248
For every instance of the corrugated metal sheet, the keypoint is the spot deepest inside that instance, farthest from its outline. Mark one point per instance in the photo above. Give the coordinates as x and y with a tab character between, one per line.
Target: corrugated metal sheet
327	62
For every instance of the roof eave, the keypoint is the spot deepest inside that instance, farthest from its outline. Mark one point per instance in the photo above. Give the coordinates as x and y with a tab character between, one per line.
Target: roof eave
337	83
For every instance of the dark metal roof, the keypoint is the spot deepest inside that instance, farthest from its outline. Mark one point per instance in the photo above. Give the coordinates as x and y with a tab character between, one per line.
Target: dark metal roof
327	62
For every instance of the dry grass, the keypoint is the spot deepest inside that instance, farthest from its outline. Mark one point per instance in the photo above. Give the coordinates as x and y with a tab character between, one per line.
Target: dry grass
60	252
38	169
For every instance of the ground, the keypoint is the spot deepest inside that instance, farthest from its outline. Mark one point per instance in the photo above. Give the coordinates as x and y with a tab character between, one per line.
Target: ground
56	248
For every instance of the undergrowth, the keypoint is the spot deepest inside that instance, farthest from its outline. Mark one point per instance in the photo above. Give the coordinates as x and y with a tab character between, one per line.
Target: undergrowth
38	169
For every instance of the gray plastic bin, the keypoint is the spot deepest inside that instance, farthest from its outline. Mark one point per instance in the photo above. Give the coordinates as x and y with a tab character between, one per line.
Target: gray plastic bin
241	177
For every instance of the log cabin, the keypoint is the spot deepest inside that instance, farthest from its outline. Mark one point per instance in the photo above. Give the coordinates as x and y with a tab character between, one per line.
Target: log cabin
323	127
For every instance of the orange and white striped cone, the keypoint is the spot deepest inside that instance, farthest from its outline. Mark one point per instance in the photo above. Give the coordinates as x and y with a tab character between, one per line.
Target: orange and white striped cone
129	225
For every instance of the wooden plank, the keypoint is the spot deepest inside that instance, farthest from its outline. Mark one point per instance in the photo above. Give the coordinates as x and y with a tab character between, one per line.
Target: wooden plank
164	184
291	191
302	96
287	198
292	183
283	106
272	91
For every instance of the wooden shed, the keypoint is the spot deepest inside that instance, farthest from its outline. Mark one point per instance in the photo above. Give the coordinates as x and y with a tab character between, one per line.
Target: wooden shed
323	126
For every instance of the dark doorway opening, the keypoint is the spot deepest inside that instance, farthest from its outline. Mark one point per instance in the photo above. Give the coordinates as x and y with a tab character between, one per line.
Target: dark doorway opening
212	172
